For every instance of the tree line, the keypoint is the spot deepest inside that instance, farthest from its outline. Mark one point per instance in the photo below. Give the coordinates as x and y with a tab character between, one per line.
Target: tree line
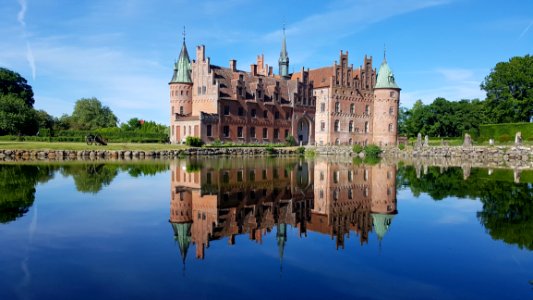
509	88
19	117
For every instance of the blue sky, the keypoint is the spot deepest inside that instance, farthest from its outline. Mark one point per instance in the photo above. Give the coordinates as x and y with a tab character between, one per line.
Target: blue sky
122	51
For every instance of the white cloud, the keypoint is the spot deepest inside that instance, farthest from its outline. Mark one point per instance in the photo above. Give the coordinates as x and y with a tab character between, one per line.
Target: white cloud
525	30
22	12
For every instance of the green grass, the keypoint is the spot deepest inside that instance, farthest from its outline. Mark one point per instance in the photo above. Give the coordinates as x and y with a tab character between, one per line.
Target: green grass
14	145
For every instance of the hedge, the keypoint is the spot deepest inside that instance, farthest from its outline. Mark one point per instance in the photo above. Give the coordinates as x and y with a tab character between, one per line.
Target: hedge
505	132
112	135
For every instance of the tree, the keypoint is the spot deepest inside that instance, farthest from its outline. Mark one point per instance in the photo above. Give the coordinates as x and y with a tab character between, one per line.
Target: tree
16	117
509	88
89	114
11	83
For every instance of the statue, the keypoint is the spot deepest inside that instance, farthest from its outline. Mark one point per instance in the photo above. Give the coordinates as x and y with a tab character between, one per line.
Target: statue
491	142
426	141
468	141
518	138
418	141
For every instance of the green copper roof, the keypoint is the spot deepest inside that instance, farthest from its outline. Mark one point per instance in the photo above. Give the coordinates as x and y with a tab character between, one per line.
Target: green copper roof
281	236
385	77
182	235
182	68
381	224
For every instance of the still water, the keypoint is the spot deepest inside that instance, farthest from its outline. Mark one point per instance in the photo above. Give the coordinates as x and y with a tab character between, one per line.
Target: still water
264	228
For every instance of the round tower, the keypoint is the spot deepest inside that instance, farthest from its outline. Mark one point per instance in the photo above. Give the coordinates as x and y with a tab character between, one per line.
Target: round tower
383	205
180	93
386	106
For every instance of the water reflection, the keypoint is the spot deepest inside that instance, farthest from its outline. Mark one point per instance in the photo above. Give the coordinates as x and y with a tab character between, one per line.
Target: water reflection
223	199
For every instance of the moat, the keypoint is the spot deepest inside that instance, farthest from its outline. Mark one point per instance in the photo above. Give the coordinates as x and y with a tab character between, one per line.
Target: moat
267	228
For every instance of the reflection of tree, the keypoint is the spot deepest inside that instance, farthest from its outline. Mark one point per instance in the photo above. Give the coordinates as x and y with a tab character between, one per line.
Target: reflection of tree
91	178
151	169
507	207
17	188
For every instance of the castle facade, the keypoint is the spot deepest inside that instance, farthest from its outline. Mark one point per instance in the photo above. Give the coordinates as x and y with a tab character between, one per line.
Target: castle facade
333	105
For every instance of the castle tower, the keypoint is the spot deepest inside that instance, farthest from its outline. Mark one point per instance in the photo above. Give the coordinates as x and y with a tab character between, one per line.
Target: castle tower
383	205
283	57
180	92
386	105
180	212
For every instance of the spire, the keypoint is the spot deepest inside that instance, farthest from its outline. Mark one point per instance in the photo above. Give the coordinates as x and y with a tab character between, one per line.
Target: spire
381	223
182	235
384	53
385	78
182	68
281	236
284	56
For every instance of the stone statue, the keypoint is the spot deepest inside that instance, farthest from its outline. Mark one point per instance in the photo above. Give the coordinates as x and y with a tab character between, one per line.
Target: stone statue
426	141
418	141
491	142
468	141
518	138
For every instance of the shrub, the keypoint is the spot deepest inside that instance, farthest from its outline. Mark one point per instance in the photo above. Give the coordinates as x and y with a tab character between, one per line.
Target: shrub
270	150
401	146
310	153
300	150
504	138
357	148
372	150
290	140
194	141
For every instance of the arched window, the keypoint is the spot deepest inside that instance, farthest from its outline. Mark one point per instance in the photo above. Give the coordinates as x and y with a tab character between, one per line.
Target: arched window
337	107
337	142
391	110
390	127
350	126
367	109
337	125
352	108
367	127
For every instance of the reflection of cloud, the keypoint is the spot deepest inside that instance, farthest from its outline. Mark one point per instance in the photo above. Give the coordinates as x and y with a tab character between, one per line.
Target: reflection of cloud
452	219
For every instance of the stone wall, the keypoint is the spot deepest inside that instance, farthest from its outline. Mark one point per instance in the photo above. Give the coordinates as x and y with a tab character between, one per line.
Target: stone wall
23	155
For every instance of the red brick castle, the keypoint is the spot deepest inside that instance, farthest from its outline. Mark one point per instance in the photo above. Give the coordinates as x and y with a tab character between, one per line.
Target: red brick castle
334	105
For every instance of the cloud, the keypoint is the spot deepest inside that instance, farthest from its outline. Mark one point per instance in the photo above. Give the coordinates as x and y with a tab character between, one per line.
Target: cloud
31	59
525	30
456	74
22	13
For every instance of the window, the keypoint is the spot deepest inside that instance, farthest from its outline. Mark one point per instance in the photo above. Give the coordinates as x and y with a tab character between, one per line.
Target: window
240	111
321	175
350	141
225	177
392	94
335	195
182	93
391	110
253	113
337	142
265	114
321	194
390	127
199	91
251	175
276	133
367	127
322	126
367	109
209	130
276	115
208	178
239	176
350	194
265	133
322	107
264	174
336	177
337	125
337	107
286	133
252	132
352	108
350	176
350	126
181	110
226	131
226	110
239	132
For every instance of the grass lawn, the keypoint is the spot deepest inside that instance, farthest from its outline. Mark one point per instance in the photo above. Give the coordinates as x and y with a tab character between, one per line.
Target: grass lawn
14	145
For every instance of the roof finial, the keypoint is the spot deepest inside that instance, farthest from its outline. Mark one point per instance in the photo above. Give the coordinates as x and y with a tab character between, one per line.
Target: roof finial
183	33
384	52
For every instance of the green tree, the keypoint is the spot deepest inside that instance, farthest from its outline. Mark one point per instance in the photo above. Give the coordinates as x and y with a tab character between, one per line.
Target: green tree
11	83
16	117
509	88
90	114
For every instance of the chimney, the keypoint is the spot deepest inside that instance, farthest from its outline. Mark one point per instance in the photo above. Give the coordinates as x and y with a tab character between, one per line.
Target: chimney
200	53
253	69
233	65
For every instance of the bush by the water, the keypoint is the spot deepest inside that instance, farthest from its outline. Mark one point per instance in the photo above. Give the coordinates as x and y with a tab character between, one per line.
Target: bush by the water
357	148
290	140
193	141
372	150
300	150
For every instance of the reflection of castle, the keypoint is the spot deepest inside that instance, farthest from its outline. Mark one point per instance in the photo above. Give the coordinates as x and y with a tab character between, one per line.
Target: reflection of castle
253	197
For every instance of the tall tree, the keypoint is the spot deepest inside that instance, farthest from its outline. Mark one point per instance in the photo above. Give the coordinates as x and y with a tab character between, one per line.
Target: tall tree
509	88
89	114
11	83
16	117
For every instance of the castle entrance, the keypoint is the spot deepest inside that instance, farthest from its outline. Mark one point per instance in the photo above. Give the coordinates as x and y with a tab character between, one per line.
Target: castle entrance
304	131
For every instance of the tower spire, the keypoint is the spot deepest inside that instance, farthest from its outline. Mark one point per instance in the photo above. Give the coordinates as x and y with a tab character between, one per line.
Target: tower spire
283	56
183	33
384	53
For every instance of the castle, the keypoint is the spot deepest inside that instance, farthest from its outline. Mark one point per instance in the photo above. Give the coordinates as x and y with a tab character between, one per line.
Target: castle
334	105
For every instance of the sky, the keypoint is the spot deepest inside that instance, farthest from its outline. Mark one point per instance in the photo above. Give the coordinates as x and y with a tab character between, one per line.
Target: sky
122	51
